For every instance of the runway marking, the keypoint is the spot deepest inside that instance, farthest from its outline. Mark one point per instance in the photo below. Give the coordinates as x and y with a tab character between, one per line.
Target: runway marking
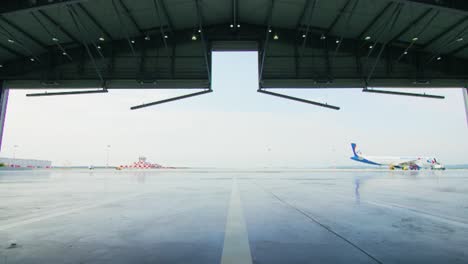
236	241
65	212
428	215
451	220
315	220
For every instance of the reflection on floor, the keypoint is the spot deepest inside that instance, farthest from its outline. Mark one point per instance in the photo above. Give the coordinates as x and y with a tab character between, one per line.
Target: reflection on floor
216	216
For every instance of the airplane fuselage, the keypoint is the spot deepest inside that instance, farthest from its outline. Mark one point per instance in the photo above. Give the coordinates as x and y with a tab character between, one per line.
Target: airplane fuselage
410	163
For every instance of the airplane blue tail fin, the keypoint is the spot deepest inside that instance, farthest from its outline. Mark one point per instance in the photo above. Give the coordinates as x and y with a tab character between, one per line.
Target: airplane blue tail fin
355	151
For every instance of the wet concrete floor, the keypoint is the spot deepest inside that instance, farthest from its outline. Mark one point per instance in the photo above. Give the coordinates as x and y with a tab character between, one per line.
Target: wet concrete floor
233	216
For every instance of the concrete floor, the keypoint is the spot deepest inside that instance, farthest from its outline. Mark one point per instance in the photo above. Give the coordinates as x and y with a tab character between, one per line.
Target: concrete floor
216	216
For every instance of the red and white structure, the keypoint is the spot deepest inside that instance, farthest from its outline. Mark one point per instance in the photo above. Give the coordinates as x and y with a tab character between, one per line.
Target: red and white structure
141	164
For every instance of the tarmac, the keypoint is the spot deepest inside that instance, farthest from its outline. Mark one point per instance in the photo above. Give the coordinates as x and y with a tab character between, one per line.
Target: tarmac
233	216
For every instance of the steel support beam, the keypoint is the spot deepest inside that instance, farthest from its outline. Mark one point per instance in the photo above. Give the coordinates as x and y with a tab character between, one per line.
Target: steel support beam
326	54
465	99
12	51
160	22
171	99
20	30
59	26
304	12
393	20
446	31
297	99
235	9
366	90
310	7
111	64
14	69
455	6
412	24
450	42
130	83
457	50
130	16
142	60
374	20
173	58
67	93
357	56
338	17
202	36
268	21
388	62
11	6
296	61
4	91
95	22
166	14
52	36
344	83
78	25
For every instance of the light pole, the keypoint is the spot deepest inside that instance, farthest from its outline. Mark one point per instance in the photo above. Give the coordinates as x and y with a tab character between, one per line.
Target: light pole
107	157
14	151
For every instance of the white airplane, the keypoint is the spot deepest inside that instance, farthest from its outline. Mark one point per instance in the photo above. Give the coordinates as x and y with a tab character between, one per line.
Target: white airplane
404	163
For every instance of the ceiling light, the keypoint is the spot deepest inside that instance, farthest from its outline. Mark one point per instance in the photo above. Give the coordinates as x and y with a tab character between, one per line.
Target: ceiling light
238	25
337	41
323	37
231	25
199	31
132	41
405	52
439	58
64	53
367	38
101	39
304	35
11	41
459	39
166	36
147	38
276	37
371	47
32	59
194	37
55	39
1	65
99	47
415	39
269	30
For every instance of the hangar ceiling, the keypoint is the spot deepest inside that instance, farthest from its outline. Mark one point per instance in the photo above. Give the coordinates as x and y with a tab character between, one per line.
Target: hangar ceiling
167	44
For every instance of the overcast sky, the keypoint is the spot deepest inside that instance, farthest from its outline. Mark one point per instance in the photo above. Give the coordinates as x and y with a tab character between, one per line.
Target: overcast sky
234	126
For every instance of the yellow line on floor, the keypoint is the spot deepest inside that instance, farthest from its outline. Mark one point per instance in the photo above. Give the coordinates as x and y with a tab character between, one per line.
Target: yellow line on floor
236	241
